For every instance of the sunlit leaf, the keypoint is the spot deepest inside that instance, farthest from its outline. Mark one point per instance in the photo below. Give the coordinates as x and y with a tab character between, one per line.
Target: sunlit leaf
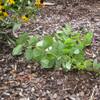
16	26
29	53
22	38
17	50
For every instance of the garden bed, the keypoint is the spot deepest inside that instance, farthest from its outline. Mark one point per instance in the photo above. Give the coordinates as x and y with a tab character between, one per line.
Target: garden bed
21	80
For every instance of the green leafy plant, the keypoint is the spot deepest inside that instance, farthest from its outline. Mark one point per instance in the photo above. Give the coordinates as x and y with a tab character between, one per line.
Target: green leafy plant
63	50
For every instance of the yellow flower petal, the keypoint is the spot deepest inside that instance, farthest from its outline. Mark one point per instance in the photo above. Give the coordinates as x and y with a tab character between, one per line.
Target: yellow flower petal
25	19
1	7
5	14
11	2
39	3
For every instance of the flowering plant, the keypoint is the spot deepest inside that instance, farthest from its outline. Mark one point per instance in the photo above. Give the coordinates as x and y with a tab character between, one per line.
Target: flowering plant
15	11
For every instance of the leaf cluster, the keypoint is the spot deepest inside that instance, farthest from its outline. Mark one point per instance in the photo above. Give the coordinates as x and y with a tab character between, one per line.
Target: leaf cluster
63	50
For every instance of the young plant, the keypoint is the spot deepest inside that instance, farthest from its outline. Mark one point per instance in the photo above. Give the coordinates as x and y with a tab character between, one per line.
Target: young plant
63	50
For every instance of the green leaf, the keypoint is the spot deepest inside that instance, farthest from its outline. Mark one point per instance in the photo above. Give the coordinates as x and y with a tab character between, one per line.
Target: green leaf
76	36
33	40
29	53
57	48
81	66
16	26
66	65
77	51
45	63
79	57
88	63
96	64
22	39
58	62
59	32
17	50
47	41
60	36
87	39
81	46
67	30
70	42
39	43
38	54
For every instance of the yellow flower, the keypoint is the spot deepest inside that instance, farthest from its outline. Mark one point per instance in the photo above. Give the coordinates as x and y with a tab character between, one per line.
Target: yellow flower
39	3
25	18
5	14
1	7
11	2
